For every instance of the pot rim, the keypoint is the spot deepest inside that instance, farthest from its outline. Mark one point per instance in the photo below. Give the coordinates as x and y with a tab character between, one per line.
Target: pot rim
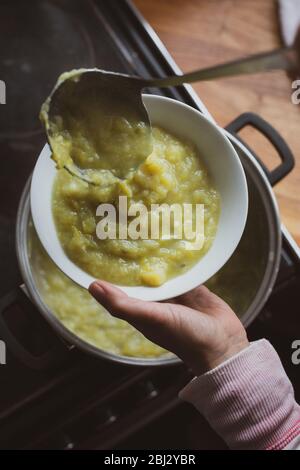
275	235
261	296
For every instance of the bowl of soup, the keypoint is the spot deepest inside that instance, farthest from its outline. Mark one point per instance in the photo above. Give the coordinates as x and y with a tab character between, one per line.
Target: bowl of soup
193	179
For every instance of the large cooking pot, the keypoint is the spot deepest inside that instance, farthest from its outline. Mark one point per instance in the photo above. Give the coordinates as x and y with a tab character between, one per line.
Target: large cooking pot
246	281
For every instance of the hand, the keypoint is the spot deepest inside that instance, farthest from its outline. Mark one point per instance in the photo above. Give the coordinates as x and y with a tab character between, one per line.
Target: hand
198	327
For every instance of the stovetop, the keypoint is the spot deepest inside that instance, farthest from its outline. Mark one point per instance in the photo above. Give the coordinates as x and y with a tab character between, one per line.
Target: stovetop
79	401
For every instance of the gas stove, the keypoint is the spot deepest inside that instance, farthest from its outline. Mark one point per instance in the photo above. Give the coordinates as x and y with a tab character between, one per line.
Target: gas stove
71	400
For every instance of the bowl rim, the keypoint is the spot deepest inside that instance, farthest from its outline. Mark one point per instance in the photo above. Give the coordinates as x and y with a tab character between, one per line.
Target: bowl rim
175	286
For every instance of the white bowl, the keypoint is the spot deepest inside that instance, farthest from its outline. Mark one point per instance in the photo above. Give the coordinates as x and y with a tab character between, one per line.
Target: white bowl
224	168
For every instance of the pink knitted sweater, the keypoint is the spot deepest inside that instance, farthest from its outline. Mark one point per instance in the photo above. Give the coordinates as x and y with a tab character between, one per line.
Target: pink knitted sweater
249	400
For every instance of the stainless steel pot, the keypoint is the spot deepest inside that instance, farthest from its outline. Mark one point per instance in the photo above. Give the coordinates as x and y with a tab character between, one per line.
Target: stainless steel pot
255	262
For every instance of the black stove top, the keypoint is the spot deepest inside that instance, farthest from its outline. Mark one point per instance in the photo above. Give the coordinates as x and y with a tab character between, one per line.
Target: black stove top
78	401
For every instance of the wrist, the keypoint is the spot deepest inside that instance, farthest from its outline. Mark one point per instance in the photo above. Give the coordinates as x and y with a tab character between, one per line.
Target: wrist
232	350
216	357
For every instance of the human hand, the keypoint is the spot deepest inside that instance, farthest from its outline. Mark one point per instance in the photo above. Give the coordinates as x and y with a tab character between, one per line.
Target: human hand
198	327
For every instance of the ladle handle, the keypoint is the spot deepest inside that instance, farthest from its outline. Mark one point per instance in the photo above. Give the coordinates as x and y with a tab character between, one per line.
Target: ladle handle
280	59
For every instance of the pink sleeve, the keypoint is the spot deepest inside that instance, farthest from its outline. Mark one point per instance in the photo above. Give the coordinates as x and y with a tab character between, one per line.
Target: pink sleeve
249	400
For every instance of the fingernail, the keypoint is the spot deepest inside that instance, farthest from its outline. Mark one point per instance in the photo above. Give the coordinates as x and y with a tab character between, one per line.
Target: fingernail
96	288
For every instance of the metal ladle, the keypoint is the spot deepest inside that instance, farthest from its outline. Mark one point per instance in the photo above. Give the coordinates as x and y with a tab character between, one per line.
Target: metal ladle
121	95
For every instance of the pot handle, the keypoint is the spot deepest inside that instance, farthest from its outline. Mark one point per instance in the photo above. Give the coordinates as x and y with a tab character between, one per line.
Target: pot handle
17	297
285	154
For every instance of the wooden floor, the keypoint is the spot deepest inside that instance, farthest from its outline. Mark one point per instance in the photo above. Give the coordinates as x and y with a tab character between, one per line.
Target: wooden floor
199	33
